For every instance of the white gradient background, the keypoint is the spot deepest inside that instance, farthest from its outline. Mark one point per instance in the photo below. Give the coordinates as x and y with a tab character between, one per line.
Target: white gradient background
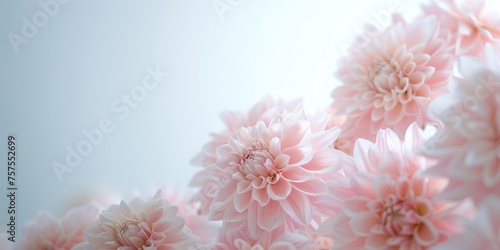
65	79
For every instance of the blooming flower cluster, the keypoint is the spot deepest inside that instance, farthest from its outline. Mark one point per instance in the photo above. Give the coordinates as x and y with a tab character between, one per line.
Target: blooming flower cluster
361	175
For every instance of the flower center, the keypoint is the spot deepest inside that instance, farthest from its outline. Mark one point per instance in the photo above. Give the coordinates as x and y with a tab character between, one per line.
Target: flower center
382	69
379	76
253	162
399	217
247	157
251	159
127	230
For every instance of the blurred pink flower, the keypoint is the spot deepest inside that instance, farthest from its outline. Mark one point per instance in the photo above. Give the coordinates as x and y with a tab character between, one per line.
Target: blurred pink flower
482	233
198	224
467	150
391	81
388	203
100	195
269	176
264	111
140	224
47	232
474	23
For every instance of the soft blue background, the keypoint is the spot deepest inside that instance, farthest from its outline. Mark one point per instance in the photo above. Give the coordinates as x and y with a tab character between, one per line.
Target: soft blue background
91	52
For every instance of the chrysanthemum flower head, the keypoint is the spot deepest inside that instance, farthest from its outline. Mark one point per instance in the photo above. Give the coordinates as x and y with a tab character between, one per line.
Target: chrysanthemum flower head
140	224
269	176
264	111
391	81
388	203
47	232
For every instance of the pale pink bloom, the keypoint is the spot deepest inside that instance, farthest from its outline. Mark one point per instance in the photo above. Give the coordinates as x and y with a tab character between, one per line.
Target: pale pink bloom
264	111
140	224
388	203
391	81
268	177
482	233
467	149
197	223
240	240
474	23
47	232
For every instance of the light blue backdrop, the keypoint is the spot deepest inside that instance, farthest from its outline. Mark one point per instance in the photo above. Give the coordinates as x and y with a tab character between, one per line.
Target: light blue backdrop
69	66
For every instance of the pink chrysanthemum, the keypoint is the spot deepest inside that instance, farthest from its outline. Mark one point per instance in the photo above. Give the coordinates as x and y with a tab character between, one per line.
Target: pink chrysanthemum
474	23
391	81
388	203
467	151
47	232
269	176
140	224
482	233
264	111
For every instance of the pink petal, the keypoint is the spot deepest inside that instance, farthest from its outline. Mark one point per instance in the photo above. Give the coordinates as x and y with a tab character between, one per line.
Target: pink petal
279	190
355	205
298	207
326	159
242	200
281	162
324	138
426	234
314	187
363	223
270	216
297	174
261	196
377	241
294	135
423	207
298	155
